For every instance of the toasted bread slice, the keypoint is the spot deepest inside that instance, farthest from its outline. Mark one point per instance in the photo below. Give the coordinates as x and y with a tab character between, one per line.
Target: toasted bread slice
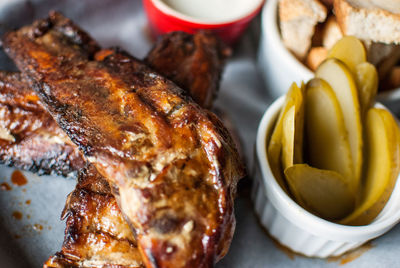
298	19
373	20
331	32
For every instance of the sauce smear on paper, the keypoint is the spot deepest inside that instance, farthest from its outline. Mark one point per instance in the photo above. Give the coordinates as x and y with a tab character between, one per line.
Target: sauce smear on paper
17	215
352	255
287	251
38	227
5	187
18	178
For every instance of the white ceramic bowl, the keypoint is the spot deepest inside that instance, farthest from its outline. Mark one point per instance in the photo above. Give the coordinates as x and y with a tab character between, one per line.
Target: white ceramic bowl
280	67
295	227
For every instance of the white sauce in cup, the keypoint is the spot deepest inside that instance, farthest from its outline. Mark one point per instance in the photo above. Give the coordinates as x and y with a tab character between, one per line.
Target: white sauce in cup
214	10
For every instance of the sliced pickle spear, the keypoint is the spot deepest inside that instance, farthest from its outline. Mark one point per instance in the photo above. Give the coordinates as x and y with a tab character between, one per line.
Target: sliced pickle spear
338	76
349	50
367	83
382	166
327	140
294	97
322	192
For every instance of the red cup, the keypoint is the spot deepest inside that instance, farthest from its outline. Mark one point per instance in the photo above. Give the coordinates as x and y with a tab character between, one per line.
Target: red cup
163	19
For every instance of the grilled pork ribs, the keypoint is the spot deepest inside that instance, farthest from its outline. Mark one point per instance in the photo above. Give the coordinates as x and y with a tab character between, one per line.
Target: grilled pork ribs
141	151
96	233
82	245
196	64
30	139
87	242
173	165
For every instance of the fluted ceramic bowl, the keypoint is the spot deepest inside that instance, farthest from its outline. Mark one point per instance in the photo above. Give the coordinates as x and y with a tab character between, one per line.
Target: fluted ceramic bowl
295	227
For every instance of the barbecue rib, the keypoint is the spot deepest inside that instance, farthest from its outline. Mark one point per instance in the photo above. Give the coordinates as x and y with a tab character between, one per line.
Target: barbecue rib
96	234
30	139
81	245
174	164
196	65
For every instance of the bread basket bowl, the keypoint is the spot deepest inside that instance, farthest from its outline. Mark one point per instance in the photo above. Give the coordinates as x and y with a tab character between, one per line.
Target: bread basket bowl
279	67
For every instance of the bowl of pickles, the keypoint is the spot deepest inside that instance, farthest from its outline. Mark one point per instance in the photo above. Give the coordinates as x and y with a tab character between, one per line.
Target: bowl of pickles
328	160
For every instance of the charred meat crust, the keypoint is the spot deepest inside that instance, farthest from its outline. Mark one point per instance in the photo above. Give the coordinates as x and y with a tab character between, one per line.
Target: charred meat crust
30	139
16	94
197	63
176	165
96	233
46	149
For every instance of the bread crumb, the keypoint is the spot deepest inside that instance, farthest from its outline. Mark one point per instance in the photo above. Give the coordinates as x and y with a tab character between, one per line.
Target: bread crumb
394	77
315	57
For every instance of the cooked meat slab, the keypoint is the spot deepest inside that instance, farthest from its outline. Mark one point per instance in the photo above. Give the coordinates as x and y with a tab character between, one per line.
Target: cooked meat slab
91	208
84	243
30	139
96	234
174	165
196	64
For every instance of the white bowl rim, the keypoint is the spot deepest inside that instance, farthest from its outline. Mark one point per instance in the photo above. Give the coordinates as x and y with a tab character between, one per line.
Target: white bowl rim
270	27
172	12
301	217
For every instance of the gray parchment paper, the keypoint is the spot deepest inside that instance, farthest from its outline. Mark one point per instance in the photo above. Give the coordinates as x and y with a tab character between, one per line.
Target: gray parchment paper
28	242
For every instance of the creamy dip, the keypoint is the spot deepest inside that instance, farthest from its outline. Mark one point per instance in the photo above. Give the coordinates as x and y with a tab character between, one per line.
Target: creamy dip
214	10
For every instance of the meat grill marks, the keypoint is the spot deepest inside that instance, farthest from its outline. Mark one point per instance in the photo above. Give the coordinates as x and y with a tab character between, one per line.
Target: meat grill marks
96	233
29	137
175	166
82	241
196	64
31	140
92	189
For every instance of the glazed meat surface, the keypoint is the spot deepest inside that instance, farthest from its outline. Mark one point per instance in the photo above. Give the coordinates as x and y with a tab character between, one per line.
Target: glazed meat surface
91	208
174	165
96	233
196	64
31	140
29	137
84	235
